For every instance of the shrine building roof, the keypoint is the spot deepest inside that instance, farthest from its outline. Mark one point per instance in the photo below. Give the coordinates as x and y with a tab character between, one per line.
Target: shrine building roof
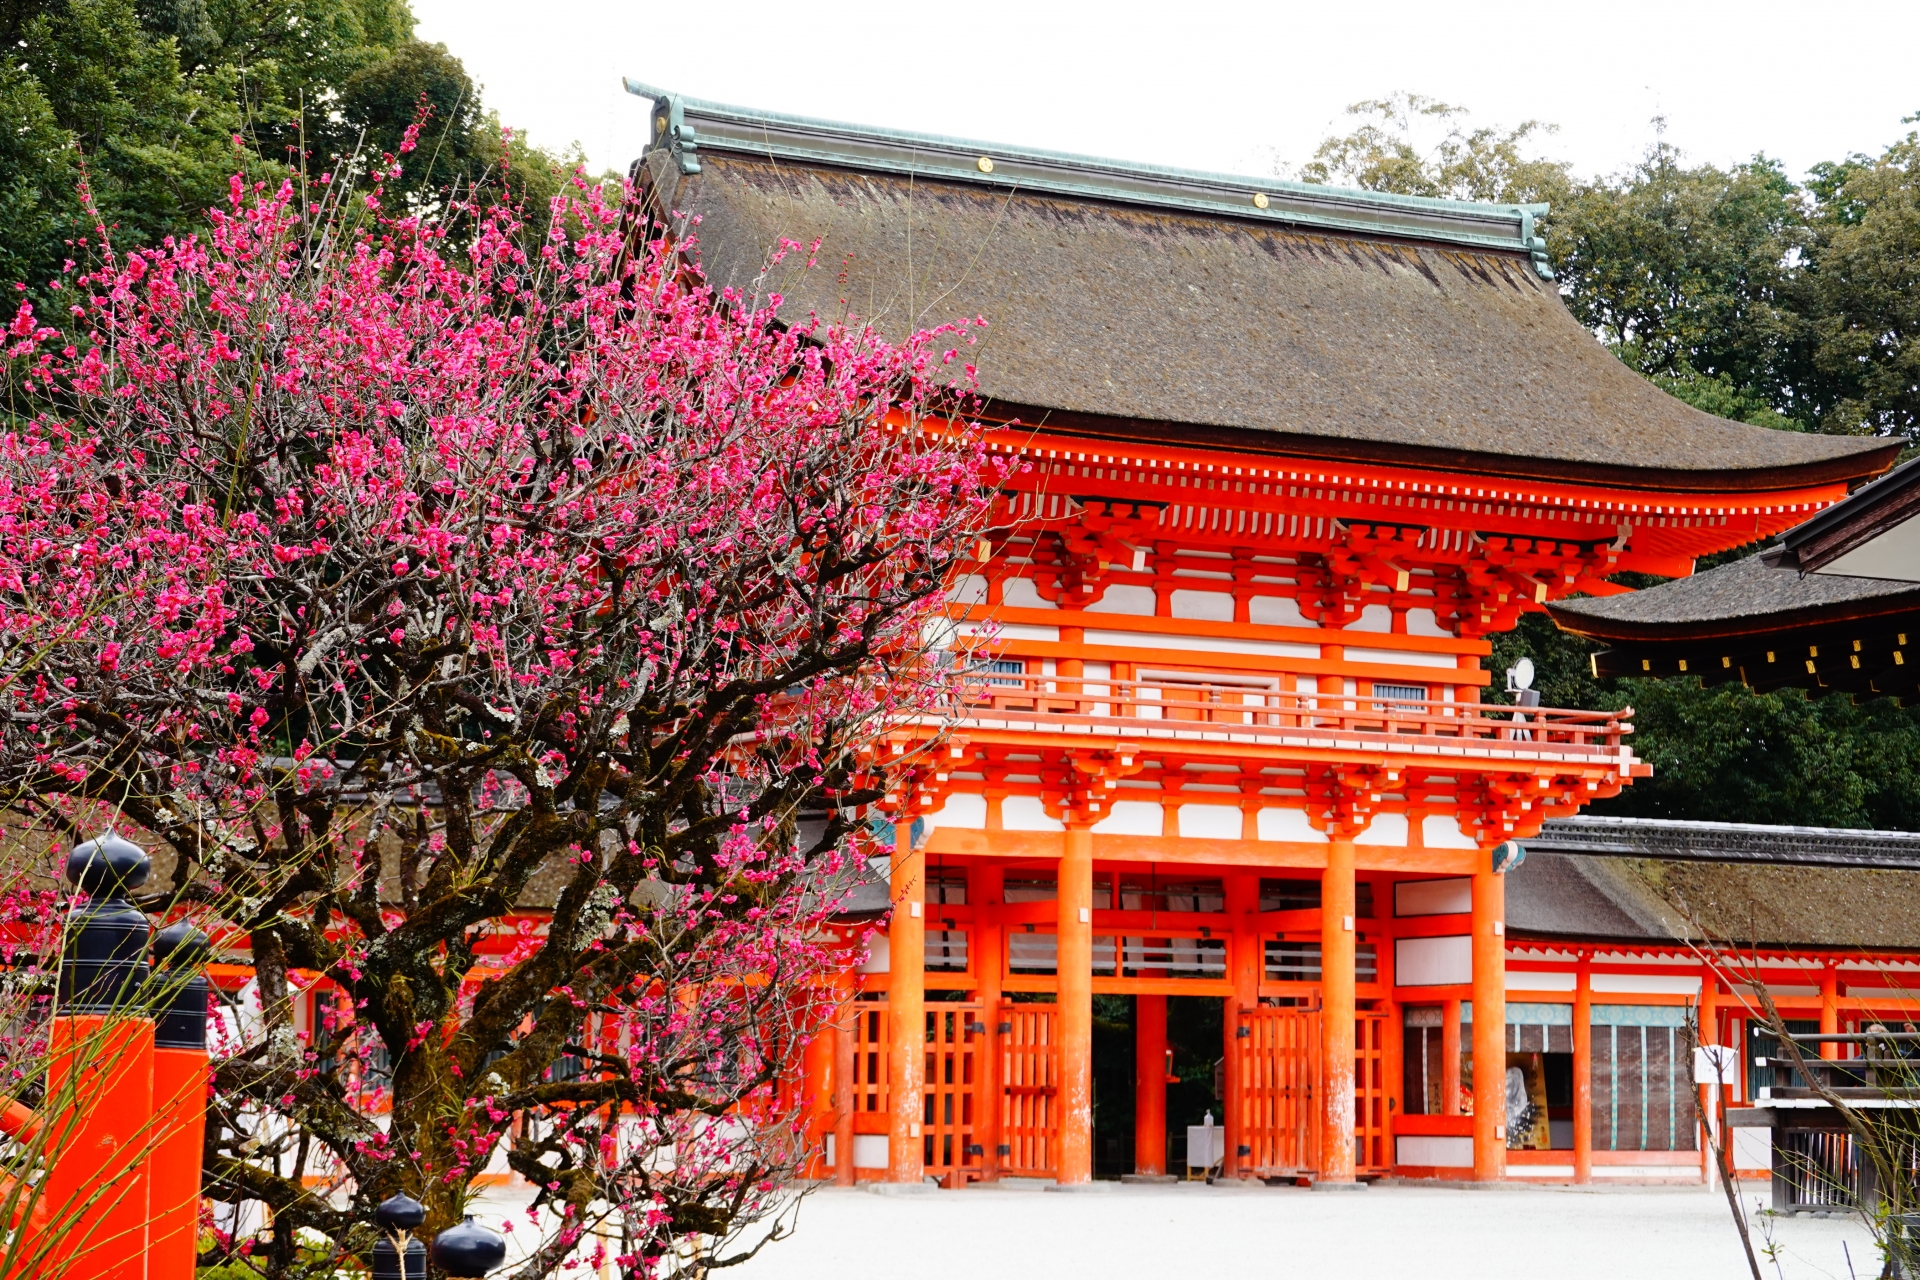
1602	877
1831	607
1214	310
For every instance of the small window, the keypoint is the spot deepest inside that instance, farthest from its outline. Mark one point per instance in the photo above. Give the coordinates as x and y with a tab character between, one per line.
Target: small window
1289	895
1399	697
1006	671
946	951
1030	951
1030	888
1300	961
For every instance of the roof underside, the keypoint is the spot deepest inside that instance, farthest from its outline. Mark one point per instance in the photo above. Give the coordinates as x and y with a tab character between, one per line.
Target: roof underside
1210	329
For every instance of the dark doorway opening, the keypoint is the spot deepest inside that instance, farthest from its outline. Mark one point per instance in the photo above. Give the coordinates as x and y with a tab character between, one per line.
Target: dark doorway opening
1194	1031
1194	1035
1113	1027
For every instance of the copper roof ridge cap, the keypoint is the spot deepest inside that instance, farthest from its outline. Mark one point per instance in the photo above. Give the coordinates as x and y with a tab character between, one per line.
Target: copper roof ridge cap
777	135
1597	820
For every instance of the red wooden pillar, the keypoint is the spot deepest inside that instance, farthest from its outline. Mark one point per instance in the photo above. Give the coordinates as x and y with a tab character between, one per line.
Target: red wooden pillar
1244	954
100	1078
1336	1014
1450	1058
1829	1009
1489	1023
1074	1007
986	953
1583	1070
906	1007
1150	1086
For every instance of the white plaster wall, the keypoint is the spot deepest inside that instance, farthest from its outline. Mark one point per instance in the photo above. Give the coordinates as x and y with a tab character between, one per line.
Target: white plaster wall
1434	1151
870	1151
1277	611
879	955
1288	824
1387	829
1646	984
1423	622
968	588
1375	617
1404	658
1025	813
963	809
1211	821
1752	1148
1123	598
1132	818
1442	831
1206	606
1020	593
1433	962
1432	897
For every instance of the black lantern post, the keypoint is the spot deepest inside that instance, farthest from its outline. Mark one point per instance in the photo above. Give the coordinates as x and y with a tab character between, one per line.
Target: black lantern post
468	1250
399	1256
104	963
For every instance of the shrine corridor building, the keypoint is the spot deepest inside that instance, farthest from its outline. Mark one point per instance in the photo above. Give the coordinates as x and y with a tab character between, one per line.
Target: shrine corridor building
1292	454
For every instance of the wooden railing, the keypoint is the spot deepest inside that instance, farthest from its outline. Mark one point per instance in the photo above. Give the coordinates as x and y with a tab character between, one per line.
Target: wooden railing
1248	711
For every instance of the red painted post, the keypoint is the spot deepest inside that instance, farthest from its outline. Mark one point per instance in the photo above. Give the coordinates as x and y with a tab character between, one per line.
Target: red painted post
100	1077
1583	1070
1150	1086
1489	1023
99	1115
1337	926
1074	967
180	1102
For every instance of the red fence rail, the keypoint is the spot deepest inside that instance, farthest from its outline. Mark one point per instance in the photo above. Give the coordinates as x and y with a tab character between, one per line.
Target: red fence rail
1155	707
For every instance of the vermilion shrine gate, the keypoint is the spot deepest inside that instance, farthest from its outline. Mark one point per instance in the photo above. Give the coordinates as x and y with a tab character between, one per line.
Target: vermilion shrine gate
1291	455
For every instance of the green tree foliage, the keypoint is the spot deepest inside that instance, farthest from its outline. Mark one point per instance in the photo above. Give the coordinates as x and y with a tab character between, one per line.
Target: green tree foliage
1748	295
1862	290
1412	145
1682	271
1727	754
155	103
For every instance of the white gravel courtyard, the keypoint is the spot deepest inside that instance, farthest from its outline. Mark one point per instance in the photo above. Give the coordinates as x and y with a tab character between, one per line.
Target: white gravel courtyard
1407	1232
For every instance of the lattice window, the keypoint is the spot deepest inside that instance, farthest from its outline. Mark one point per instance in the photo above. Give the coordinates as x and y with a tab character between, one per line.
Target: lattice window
1300	961
1399	697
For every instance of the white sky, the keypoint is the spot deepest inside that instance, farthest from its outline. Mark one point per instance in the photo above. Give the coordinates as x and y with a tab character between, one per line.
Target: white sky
1210	84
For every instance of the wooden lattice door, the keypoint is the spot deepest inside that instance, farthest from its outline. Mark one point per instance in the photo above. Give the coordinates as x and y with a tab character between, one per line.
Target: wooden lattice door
1030	1090
1371	1136
955	1040
1279	1087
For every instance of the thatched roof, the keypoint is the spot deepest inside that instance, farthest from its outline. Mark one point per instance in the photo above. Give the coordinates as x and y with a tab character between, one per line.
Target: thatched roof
1576	896
1116	307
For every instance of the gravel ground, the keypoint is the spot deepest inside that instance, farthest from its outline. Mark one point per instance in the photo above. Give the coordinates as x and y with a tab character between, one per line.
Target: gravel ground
1402	1232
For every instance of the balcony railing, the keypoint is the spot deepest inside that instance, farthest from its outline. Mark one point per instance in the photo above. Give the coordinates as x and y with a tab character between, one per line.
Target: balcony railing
1227	712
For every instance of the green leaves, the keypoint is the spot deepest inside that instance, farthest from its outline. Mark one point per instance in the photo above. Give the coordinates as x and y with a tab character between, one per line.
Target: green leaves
1728	754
